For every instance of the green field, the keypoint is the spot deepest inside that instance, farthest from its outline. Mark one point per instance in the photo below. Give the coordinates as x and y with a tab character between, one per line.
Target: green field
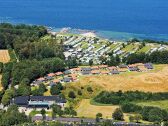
161	104
130	47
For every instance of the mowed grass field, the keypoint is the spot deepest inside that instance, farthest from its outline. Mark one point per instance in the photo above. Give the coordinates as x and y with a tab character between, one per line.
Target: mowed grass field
161	104
4	56
86	109
152	81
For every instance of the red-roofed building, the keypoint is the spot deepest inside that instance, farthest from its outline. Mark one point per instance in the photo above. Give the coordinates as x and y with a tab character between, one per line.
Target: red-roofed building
103	66
94	67
51	75
95	72
58	73
56	80
104	72
41	79
112	68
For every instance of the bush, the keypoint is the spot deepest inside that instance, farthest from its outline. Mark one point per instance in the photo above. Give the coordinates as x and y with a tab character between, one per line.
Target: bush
130	107
89	89
79	92
118	114
71	95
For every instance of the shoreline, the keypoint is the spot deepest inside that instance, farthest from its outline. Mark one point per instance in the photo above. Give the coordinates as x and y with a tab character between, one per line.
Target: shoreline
106	34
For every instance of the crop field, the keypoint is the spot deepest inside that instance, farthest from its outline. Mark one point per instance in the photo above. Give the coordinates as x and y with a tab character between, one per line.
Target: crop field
155	80
161	104
4	56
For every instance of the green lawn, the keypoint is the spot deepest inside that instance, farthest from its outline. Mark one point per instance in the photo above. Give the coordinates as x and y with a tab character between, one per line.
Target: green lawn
130	47
114	46
84	45
161	104
144	49
97	46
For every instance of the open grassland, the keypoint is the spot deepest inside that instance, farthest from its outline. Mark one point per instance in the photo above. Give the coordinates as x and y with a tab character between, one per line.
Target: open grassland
154	80
86	109
161	104
4	56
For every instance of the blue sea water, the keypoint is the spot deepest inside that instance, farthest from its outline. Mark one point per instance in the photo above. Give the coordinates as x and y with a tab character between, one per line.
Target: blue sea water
115	19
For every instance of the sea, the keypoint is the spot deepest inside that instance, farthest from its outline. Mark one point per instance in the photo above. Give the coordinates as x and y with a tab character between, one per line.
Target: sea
112	19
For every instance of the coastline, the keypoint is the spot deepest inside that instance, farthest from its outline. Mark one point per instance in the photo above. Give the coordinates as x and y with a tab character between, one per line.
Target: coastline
114	35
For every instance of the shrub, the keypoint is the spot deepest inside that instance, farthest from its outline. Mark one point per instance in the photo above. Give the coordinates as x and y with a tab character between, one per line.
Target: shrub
71	95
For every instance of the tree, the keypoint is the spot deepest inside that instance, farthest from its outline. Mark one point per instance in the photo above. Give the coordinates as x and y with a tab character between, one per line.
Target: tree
155	115
42	88
23	90
118	114
56	89
9	93
71	94
91	62
99	115
79	92
56	110
165	123
137	118
89	89
43	113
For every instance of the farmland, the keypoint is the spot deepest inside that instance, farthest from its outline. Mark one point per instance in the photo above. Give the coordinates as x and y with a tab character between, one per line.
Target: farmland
4	56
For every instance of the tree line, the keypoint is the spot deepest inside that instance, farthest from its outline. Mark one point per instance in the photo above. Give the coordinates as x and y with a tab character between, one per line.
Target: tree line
127	101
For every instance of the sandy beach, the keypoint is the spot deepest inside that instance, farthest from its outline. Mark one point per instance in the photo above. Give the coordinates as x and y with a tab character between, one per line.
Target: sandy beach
89	34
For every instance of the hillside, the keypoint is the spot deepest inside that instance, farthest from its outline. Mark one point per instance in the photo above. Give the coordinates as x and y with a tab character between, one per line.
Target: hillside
155	80
92	48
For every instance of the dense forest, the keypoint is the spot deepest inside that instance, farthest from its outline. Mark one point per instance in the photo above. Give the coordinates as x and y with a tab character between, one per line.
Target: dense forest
25	40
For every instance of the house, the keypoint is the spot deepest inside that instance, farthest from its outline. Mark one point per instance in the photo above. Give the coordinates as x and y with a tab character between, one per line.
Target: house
54	82
105	72
95	72
148	65
58	73
73	77
114	72
122	66
67	79
133	67
39	81
86	70
94	67
51	75
66	72
103	66
112	68
38	101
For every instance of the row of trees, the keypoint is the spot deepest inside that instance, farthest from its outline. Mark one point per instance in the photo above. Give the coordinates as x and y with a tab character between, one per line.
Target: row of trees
32	69
116	98
155	57
148	113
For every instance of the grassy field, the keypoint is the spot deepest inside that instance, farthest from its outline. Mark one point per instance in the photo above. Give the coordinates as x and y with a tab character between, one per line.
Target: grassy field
161	104
155	81
86	109
4	56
